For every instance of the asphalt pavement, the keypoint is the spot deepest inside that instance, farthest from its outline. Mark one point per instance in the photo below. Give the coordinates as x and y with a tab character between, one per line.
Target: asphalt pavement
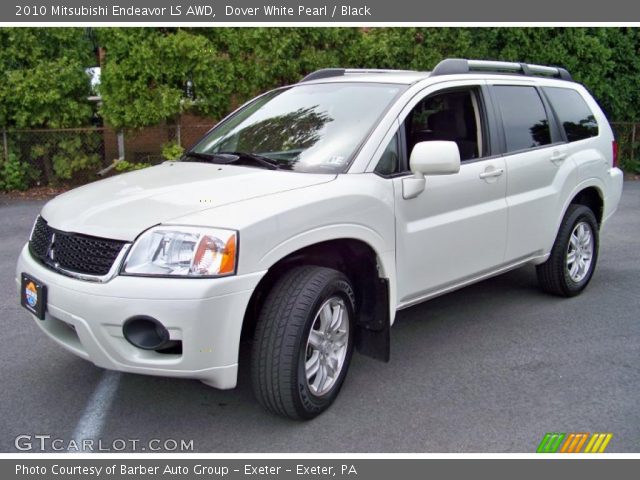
489	368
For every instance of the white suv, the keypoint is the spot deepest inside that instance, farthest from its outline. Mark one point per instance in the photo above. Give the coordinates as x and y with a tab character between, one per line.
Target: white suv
307	218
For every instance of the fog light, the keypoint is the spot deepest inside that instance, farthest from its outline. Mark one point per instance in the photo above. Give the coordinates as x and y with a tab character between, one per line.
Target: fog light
145	332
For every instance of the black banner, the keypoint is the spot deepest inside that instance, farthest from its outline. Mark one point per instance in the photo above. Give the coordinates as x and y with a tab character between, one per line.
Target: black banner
328	11
342	469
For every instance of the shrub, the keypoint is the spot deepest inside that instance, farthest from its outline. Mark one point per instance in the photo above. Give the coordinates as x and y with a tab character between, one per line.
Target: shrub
124	166
172	151
630	165
14	174
63	156
75	155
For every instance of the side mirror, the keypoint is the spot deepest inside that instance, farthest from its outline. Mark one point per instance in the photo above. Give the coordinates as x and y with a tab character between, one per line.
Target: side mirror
436	157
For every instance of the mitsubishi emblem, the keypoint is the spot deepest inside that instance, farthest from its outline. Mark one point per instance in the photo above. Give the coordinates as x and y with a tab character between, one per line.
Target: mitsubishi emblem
50	253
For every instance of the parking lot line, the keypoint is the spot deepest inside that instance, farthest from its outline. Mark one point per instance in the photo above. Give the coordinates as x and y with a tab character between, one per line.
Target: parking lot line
95	413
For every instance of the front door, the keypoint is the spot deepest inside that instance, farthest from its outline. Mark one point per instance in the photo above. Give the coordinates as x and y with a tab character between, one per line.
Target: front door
455	230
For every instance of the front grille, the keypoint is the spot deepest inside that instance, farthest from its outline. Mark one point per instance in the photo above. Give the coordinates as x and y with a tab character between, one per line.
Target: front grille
73	252
40	238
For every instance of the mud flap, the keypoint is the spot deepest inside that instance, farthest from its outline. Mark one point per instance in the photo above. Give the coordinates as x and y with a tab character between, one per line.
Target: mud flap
373	337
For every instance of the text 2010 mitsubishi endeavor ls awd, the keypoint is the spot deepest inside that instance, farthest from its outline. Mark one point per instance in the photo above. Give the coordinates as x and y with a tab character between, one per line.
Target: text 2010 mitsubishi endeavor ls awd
307	218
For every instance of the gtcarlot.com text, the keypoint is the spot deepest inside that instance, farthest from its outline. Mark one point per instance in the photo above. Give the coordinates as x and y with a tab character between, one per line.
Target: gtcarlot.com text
45	443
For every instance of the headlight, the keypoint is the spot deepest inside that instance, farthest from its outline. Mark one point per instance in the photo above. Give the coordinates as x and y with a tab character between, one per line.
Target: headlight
183	251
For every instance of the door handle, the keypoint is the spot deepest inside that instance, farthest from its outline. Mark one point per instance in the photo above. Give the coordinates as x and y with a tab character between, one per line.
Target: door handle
492	173
558	157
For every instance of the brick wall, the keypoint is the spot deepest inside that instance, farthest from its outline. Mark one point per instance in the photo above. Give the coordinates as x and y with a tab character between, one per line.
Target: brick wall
145	145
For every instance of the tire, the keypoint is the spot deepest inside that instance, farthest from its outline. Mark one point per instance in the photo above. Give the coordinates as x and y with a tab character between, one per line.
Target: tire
561	276
303	299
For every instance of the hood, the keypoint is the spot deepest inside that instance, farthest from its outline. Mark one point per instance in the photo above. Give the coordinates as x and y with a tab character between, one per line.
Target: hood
121	207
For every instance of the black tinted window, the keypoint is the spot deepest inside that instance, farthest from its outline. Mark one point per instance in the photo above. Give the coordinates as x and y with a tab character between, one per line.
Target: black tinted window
524	118
574	114
389	162
451	116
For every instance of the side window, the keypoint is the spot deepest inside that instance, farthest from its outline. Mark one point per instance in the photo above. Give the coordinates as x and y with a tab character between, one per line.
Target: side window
523	115
454	116
572	111
390	161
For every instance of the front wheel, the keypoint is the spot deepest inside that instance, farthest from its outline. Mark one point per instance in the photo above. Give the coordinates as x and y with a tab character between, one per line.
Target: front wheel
573	258
303	342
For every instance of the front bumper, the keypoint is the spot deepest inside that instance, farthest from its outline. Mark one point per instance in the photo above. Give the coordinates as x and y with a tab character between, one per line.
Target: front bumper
204	314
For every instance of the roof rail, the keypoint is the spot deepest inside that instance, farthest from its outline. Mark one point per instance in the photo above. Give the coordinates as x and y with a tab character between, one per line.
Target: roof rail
452	66
338	72
324	73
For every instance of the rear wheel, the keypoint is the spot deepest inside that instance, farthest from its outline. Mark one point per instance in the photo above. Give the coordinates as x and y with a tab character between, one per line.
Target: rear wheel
303	342
573	258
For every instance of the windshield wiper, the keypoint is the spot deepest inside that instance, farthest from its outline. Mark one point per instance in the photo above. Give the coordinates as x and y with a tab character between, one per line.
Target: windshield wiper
227	158
207	157
252	157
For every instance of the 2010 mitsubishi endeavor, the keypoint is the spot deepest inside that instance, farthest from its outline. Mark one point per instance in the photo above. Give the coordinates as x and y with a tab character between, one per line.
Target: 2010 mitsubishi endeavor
307	218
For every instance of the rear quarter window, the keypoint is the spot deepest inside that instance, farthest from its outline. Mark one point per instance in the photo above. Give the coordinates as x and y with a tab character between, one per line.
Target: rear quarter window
574	114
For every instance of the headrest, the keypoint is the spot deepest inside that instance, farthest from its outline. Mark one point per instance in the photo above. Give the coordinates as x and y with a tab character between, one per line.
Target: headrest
442	121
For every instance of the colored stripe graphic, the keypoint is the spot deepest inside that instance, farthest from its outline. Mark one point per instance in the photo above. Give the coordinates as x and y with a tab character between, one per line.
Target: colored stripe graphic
598	443
568	444
573	442
581	442
550	443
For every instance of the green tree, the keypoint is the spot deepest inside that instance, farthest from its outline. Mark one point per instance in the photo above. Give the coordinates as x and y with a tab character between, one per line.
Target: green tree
146	71
44	86
409	48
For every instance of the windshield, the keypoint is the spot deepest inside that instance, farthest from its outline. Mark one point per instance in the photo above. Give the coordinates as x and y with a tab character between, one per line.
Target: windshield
306	128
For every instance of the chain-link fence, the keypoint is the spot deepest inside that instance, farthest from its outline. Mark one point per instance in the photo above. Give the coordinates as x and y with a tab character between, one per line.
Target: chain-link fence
628	137
51	157
71	157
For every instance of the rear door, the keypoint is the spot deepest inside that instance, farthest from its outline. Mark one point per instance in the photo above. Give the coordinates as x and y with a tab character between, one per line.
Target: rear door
537	165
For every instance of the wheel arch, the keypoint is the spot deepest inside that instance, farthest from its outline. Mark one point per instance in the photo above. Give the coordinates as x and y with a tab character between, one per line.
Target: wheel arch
590	196
589	193
362	263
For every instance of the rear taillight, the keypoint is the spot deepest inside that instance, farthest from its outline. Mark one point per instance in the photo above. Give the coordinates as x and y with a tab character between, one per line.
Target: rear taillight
614	146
